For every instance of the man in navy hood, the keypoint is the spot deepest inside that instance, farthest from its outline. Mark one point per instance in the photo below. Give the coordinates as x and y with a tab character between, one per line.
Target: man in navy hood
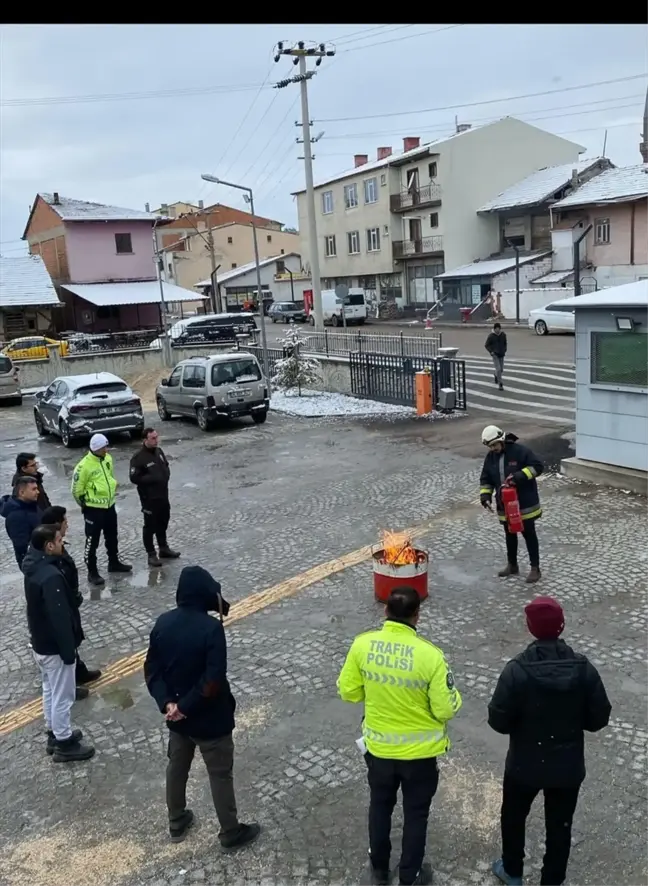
186	673
21	514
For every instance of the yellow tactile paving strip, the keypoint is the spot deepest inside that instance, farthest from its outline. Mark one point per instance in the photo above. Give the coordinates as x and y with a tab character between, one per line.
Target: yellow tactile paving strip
126	667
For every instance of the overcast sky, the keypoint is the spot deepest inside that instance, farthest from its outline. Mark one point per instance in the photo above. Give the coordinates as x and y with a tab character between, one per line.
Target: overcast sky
129	114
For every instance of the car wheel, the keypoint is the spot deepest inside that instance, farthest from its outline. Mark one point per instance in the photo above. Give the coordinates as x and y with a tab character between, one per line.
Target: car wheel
40	427
162	410
334	320
64	431
203	422
541	327
274	319
259	417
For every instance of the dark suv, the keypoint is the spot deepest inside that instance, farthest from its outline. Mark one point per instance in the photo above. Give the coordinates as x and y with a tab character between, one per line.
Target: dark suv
285	311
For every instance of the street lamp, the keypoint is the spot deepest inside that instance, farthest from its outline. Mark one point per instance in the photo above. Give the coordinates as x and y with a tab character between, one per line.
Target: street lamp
249	198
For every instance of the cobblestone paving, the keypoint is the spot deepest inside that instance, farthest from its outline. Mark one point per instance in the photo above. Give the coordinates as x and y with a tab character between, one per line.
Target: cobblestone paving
258	506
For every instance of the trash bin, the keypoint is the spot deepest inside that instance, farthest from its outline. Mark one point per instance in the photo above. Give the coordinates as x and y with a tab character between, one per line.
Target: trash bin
465	314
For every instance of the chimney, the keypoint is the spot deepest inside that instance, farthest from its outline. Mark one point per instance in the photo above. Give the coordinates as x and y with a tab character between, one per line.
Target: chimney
384	152
643	147
574	179
360	159
164	209
411	142
201	205
147	207
463	127
56	201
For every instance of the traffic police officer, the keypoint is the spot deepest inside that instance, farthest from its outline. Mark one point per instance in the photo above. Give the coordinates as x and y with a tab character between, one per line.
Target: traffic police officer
409	696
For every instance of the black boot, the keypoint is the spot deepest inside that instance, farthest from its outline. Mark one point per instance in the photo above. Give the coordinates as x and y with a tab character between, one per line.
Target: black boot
116	565
94	578
178	829
88	676
153	560
424	876
244	834
80	693
77	735
168	553
71	750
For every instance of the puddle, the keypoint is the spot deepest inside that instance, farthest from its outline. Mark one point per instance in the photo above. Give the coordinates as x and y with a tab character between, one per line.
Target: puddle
118	696
456	574
146	578
100	593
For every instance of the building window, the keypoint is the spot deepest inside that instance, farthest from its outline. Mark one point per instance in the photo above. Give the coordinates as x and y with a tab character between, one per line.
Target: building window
269	238
371	190
383	179
373	240
123	244
327	202
353	241
230	240
350	196
602	231
432	169
619	358
282	252
434	219
233	264
329	246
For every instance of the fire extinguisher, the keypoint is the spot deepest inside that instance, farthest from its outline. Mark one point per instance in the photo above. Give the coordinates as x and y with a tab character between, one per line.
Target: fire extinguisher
512	509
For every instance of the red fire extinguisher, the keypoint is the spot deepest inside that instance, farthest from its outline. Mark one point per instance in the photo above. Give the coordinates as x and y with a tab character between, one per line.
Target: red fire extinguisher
512	509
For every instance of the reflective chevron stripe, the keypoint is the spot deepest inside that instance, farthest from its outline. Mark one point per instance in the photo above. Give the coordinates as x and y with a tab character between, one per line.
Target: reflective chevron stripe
400	738
402	682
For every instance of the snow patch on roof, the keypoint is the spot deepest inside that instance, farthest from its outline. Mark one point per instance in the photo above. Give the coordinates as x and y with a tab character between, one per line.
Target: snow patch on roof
81	210
629	295
245	269
141	293
552	277
490	267
623	183
25	282
541	185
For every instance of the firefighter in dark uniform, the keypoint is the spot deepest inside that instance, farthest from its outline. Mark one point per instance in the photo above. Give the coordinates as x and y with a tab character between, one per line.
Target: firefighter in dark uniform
509	463
150	472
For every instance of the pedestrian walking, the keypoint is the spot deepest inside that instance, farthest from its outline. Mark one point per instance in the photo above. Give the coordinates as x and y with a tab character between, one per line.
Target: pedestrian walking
496	345
56	515
509	463
27	466
55	633
150	472
94	488
409	695
545	699
21	514
186	674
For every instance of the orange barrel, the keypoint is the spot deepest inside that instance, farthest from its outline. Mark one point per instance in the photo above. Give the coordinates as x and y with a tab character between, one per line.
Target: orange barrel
388	576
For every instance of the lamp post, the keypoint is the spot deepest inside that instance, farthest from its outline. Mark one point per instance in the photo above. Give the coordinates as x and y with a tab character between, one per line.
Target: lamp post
248	196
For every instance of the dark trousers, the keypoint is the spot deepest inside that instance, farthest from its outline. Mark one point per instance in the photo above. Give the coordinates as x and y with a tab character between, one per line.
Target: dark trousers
81	670
96	521
498	363
156	522
218	754
559	806
531	541
418	780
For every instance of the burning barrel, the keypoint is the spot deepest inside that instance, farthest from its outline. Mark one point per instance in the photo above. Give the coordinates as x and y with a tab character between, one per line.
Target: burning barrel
399	563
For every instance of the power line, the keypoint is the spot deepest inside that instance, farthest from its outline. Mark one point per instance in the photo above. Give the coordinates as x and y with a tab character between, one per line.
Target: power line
267	144
489	101
405	37
346	38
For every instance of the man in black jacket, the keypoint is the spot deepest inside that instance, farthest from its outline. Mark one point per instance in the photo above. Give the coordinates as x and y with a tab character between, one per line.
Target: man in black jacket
496	346
55	632
21	514
150	472
545	698
56	515
186	673
509	463
27	466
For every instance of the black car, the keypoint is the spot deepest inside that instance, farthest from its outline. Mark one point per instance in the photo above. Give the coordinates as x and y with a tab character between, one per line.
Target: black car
285	311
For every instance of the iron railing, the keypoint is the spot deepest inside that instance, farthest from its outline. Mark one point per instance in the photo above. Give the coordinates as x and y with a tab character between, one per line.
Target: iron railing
93	343
428	195
391	379
341	344
274	355
422	246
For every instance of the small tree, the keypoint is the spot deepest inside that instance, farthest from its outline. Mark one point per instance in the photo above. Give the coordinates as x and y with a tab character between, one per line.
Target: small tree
295	370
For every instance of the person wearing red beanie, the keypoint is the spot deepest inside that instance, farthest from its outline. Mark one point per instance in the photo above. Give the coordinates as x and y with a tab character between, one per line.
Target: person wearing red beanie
545	699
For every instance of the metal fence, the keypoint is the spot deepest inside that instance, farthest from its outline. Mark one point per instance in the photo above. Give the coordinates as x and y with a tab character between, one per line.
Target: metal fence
390	379
92	343
341	344
274	355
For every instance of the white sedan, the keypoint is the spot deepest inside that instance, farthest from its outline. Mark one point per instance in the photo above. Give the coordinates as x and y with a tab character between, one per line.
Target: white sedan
556	317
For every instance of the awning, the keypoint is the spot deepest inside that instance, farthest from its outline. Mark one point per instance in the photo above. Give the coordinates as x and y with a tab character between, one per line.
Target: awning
142	293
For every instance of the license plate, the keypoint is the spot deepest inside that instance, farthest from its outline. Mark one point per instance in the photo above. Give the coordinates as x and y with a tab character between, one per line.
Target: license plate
109	410
236	395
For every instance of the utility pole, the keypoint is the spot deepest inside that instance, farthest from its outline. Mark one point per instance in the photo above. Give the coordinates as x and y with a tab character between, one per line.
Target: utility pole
299	53
212	252
159	264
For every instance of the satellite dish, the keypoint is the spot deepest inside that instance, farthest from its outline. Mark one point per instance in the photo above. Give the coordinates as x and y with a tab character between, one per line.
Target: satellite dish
342	290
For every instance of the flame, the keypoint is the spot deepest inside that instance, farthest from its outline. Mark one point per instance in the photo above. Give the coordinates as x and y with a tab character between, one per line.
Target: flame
398	550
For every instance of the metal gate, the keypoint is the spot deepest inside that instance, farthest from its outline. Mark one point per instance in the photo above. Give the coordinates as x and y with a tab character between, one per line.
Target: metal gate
390	379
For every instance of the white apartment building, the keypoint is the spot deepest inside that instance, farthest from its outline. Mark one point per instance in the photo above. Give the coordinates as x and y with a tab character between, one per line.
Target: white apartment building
394	224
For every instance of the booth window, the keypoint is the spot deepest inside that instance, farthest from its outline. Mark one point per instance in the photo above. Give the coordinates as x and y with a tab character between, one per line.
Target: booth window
619	358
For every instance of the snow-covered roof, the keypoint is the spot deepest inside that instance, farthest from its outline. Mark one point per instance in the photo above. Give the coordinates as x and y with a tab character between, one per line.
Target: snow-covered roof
611	186
630	295
141	293
25	282
226	276
538	187
552	277
490	267
82	210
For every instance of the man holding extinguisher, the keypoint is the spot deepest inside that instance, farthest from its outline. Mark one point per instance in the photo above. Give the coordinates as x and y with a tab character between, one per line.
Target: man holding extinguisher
510	464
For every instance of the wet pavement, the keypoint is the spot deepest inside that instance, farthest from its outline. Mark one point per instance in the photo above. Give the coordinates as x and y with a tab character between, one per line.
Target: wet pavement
263	507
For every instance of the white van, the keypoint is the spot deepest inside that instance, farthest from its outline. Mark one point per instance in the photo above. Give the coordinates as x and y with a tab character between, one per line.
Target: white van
355	308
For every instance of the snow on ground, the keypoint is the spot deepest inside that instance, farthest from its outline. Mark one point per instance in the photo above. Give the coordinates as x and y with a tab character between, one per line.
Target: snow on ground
314	404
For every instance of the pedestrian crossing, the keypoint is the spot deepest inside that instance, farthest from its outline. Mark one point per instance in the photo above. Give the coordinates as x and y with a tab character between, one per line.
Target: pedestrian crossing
532	389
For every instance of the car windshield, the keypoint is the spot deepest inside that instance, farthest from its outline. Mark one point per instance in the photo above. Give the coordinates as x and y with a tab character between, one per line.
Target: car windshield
5	364
354	299
115	387
235	371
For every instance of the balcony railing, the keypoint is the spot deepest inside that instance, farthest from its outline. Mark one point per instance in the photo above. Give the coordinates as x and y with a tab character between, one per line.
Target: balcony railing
424	246
428	195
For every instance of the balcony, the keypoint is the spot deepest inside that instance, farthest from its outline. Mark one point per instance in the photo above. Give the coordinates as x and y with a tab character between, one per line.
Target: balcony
428	195
414	248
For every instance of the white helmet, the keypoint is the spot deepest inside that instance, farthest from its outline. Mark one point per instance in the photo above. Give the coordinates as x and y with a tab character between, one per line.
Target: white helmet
492	434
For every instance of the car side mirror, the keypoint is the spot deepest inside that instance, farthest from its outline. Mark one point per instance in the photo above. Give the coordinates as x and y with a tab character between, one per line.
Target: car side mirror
39	395
164	382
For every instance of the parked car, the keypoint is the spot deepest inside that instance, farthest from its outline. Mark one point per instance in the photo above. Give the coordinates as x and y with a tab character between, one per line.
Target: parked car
556	317
33	347
78	406
214	388
9	383
208	328
355	308
285	311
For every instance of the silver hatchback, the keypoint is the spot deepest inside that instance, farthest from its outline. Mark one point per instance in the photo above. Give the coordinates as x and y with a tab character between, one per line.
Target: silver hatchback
215	388
9	384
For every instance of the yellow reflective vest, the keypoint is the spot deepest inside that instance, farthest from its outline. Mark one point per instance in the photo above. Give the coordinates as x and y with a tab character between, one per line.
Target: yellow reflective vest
93	483
407	689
